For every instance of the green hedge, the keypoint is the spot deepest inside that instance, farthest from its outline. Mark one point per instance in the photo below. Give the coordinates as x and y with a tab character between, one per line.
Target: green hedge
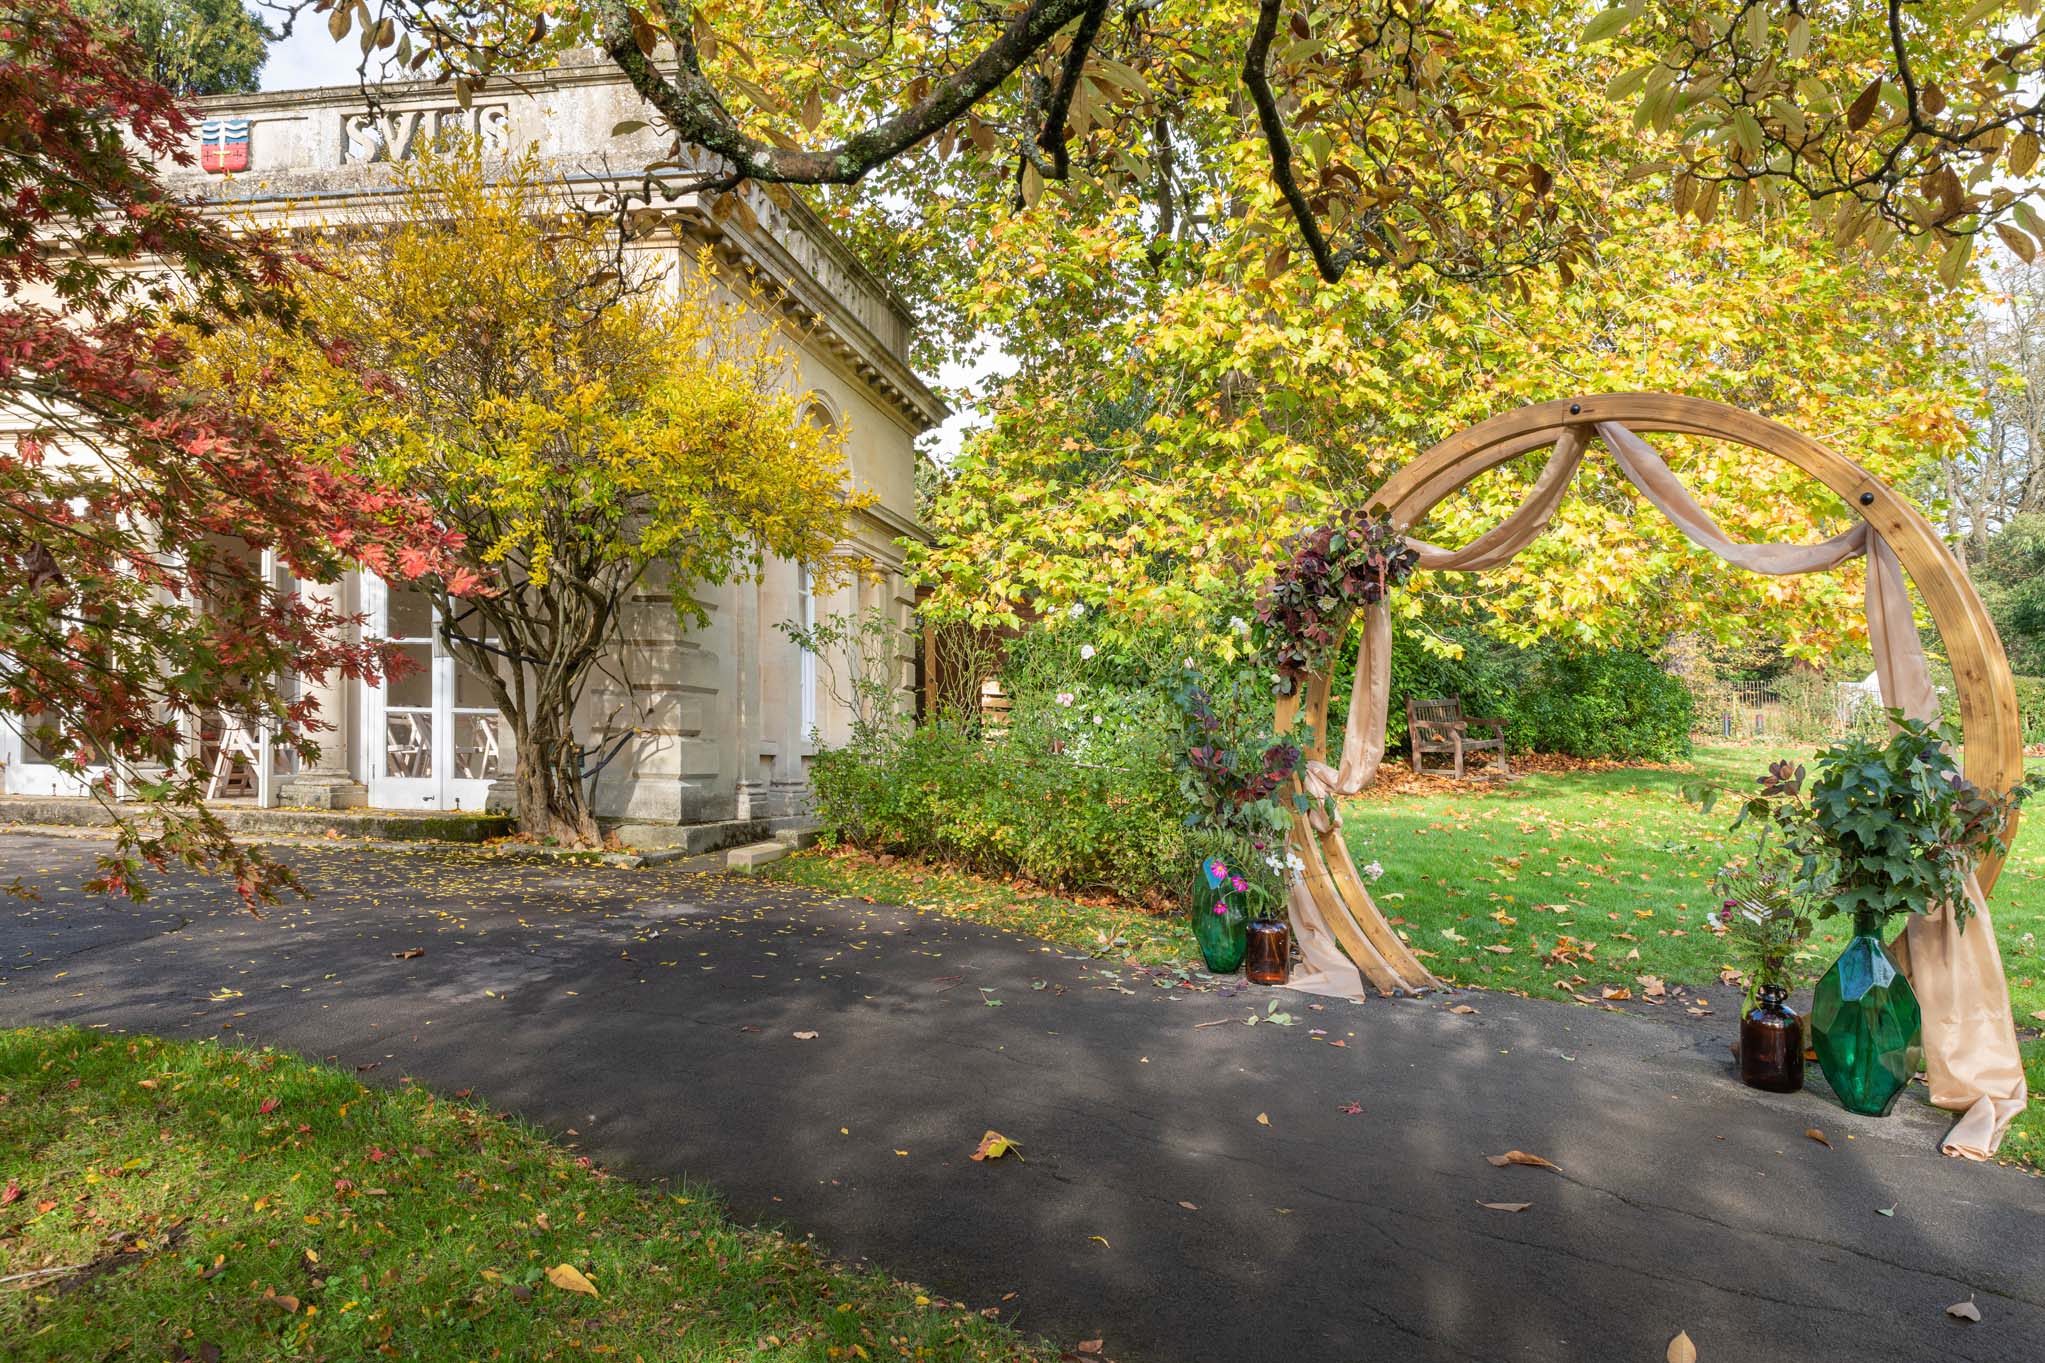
1585	703
1007	807
2031	707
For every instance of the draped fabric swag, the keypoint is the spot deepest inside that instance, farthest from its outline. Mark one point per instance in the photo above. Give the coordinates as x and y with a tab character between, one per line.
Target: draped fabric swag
1970	1042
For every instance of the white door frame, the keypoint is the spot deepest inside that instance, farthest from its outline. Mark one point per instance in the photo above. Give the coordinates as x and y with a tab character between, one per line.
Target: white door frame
434	727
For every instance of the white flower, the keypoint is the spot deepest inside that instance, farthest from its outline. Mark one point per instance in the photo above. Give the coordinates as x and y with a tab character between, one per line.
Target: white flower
1374	870
1065	698
1076	609
1097	719
1238	624
1086	650
1189	663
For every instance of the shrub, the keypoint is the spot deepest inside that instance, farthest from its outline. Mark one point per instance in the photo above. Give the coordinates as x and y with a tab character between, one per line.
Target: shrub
1008	806
1585	703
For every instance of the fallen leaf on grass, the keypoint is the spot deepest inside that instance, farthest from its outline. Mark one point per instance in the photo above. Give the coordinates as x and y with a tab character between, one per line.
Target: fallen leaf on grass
1522	1157
267	1106
2039	1016
1617	993
11	1193
286	1304
1814	1134
1964	1310
1681	1350
1499	950
1506	1206
994	1145
569	1279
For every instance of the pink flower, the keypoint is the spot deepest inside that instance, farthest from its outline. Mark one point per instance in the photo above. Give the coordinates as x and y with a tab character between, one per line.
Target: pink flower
1239	883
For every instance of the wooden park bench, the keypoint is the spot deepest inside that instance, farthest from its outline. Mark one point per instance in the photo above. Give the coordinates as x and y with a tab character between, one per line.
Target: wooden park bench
1435	727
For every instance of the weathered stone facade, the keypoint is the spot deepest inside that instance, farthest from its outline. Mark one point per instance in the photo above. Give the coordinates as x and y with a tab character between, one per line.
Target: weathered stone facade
720	717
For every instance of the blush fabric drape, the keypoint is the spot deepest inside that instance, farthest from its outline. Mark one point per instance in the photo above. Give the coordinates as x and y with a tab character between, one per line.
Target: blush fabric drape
1970	1043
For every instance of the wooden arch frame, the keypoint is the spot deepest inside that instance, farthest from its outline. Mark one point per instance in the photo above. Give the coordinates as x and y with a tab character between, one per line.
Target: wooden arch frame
1988	702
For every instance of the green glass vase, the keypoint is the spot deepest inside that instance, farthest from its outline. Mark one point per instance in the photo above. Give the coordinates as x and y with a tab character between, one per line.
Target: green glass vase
1219	924
1865	1024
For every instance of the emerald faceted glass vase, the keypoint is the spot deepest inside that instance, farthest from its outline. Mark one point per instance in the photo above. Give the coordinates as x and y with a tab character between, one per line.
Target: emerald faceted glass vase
1865	1024
1220	925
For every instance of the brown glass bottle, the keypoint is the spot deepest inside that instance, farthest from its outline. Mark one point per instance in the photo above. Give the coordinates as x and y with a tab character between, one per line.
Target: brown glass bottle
1772	1044
1269	958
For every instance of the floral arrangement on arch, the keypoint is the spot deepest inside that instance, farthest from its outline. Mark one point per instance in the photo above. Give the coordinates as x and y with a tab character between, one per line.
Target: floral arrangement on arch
1354	561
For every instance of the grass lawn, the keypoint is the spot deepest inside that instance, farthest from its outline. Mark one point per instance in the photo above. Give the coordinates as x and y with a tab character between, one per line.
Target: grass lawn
243	1204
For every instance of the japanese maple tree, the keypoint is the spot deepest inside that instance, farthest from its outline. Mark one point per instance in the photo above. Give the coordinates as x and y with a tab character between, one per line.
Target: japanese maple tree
135	512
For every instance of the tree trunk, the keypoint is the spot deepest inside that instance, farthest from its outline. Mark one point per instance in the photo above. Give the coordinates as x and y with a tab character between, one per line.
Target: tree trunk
552	804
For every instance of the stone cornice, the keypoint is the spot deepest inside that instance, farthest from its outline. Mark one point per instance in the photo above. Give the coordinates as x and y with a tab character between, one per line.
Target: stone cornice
304	141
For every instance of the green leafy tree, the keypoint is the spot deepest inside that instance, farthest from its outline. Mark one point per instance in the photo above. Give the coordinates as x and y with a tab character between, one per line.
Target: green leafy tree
2011	576
193	47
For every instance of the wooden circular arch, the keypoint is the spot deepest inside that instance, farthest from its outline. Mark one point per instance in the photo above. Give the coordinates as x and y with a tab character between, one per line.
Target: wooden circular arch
1990	727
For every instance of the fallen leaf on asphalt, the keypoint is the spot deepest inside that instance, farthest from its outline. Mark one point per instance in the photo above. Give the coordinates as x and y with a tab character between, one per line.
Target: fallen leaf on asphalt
414	954
1818	1136
1352	1109
994	1145
1964	1310
1506	1206
1522	1157
1463	1008
1189	1206
569	1279
1263	1119
901	1152
1681	1350
1103	1239
1652	987
805	1036
1889	1210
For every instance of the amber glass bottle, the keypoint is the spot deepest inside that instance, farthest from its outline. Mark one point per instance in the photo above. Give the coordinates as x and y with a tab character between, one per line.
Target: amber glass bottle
1772	1044
1269	958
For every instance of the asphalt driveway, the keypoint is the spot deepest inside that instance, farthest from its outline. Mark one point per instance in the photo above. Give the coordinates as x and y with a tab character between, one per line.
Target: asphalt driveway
1192	1187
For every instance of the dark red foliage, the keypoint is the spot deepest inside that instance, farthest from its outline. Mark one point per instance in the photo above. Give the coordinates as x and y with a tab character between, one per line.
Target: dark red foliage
135	511
1334	568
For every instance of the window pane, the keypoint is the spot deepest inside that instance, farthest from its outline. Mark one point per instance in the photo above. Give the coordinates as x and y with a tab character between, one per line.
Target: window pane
408	743
410	615
482	745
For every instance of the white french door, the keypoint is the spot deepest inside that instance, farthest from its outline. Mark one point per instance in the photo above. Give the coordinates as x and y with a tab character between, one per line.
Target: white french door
433	740
27	769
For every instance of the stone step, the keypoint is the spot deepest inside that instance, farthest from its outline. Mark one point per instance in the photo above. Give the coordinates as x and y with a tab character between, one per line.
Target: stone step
690	839
753	856
383	825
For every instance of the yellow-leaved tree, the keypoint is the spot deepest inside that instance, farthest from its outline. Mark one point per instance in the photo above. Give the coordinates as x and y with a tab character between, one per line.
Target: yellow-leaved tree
585	410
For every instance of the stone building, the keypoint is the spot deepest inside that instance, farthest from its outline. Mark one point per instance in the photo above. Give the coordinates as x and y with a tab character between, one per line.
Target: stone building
716	723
